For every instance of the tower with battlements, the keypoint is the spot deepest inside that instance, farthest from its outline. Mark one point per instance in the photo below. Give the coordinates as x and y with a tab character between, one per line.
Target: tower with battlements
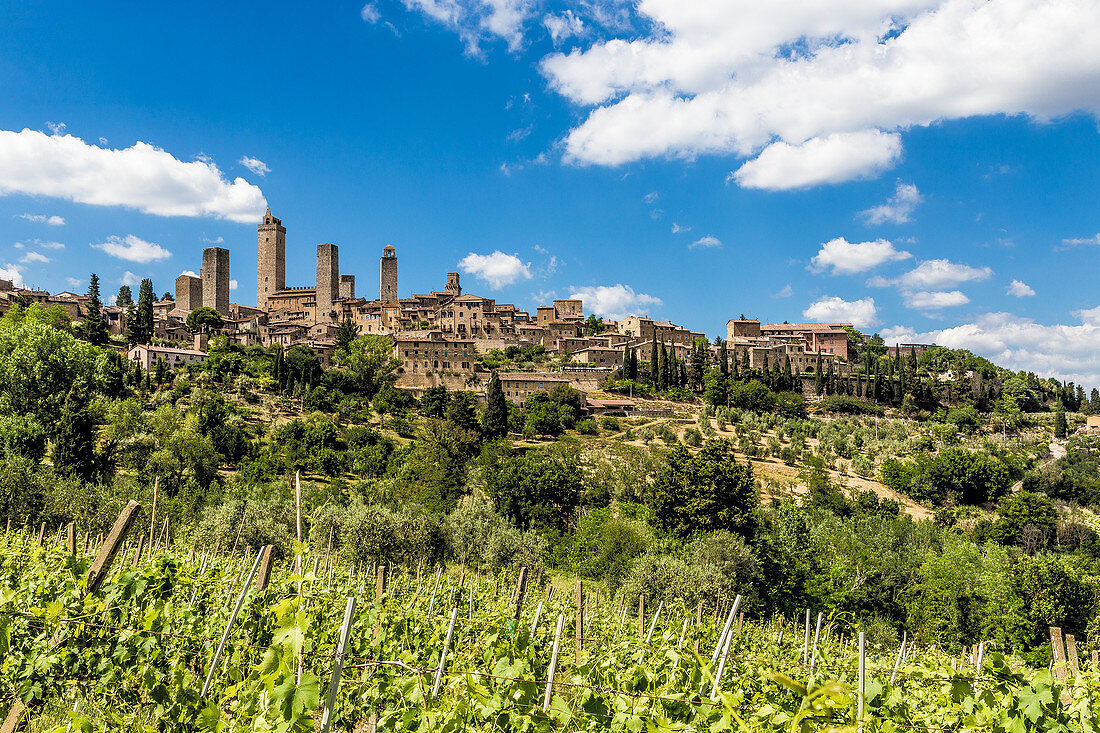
271	260
215	279
452	284
388	270
328	279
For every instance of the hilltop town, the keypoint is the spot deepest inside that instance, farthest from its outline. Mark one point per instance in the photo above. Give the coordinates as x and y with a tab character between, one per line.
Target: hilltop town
436	336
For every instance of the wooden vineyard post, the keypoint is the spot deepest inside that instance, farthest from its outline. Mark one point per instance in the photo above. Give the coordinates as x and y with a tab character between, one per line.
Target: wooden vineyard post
521	582
1071	655
578	597
137	552
535	623
862	686
1095	659
100	567
41	534
263	577
699	614
298	570
70	537
1059	665
641	618
431	605
553	663
337	666
443	655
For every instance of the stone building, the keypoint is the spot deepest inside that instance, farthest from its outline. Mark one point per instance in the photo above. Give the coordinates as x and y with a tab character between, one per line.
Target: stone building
387	271
517	385
328	279
347	287
188	292
271	260
215	279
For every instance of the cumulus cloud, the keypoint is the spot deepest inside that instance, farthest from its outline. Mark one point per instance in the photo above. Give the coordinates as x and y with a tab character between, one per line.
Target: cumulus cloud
933	300
846	258
735	77
49	245
1064	351
13	273
898	209
257	166
370	13
53	221
133	249
498	269
614	301
937	274
129	278
834	158
74	282
192	273
831	309
34	257
141	177
707	242
1019	289
678	228
786	292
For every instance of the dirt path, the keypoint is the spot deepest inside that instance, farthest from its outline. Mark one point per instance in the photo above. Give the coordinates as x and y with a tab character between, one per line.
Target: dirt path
1057	451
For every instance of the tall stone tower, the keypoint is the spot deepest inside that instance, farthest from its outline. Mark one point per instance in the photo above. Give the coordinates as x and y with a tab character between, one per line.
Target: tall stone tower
452	284
347	287
271	262
188	292
388	269
328	279
215	279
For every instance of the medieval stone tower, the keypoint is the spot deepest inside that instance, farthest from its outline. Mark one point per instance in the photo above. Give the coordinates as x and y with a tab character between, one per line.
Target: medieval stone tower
215	279
452	284
388	269
347	287
188	292
328	279
271	262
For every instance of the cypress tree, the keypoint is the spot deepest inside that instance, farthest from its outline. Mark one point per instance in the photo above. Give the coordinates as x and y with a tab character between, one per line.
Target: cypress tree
92	328
125	298
662	369
830	384
144	313
723	359
819	378
494	424
683	373
1060	420
654	363
74	442
625	371
746	365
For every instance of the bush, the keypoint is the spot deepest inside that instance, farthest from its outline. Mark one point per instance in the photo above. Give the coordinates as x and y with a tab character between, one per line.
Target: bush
587	427
610	423
693	437
850	406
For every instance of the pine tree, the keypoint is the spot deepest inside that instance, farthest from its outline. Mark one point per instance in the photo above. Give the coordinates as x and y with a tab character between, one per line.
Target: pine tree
494	423
74	442
1059	420
345	334
92	328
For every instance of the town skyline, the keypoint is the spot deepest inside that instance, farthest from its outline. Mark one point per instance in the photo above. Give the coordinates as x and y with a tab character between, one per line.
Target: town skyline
972	227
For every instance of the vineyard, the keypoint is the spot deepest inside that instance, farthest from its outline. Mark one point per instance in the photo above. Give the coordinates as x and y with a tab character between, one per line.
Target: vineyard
105	635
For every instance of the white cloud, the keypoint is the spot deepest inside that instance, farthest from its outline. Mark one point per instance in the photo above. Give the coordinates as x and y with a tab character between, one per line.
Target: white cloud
614	301
1064	351
678	228
706	242
74	282
931	300
831	309
846	258
370	13
53	221
49	245
257	166
898	209
1081	240
232	284
834	158
935	274
652	197
133	249
34	257
478	20
141	177
129	278
732	77
13	273
498	269
192	273
786	292
1019	289
566	25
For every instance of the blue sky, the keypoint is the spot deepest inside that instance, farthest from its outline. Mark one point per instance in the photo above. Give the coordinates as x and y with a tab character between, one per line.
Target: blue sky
925	168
